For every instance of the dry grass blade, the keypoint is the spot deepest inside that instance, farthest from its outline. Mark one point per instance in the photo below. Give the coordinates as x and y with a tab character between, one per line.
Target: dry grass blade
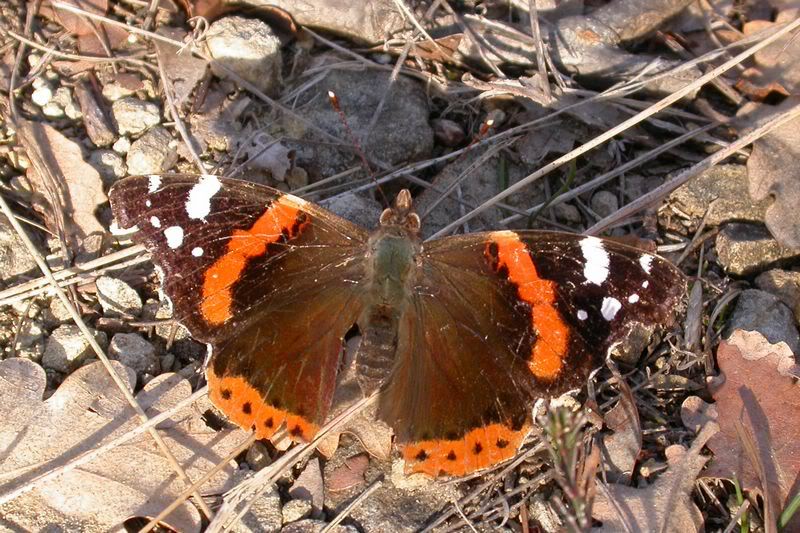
660	192
94	454
97	349
636	119
197	484
75	274
230	513
770	500
375	485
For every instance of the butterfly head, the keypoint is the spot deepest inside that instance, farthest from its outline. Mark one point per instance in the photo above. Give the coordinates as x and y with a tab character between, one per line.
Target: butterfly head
401	214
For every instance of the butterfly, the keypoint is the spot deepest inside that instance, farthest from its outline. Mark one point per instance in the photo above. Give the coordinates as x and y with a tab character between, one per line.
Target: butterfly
460	335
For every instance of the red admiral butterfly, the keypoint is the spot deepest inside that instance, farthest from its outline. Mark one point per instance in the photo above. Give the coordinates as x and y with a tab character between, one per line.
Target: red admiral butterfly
461	334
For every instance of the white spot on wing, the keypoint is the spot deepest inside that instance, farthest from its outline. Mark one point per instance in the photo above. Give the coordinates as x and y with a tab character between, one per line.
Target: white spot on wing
645	284
199	203
582	315
155	222
148	203
597	260
174	235
197	251
154	183
633	298
610	308
646	262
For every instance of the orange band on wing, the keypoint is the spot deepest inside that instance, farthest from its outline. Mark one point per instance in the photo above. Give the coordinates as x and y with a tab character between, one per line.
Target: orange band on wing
281	218
245	406
552	334
479	449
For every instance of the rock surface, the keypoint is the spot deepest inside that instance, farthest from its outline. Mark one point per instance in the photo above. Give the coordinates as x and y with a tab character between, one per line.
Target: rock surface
67	348
722	192
761	311
247	47
133	116
744	249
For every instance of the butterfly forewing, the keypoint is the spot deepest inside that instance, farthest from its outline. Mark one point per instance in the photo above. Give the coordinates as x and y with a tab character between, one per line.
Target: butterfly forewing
502	319
269	280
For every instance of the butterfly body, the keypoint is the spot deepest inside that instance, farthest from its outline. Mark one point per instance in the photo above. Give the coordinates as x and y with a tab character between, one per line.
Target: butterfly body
460	335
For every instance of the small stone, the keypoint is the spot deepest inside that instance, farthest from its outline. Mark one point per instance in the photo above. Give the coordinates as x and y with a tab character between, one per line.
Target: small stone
567	213
52	110
15	259
310	486
31	334
65	101
34	352
719	194
783	284
109	164
294	510
67	348
258	456
133	116
122	145
264	515
33	60
153	153
42	96
167	362
249	48
117	298
604	203
744	249
355	208
761	311
57	313
115	91
133	351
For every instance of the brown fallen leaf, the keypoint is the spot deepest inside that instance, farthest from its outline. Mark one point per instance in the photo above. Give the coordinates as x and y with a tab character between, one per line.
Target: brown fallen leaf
666	505
773	172
350	474
87	410
775	66
621	447
183	69
57	162
374	435
756	389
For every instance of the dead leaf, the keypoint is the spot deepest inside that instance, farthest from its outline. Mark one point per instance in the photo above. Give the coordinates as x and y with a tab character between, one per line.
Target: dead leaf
76	24
622	446
58	160
752	391
350	474
666	505
183	69
373	434
776	68
86	411
773	173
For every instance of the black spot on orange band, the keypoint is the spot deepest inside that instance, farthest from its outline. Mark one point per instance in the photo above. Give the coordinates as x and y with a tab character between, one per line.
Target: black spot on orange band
510	257
245	406
479	449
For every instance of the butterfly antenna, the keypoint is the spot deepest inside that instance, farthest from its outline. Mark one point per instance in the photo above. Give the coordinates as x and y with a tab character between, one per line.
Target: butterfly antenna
356	145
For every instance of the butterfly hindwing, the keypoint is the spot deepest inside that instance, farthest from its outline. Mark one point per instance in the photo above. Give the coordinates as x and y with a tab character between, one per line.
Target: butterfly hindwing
502	319
269	280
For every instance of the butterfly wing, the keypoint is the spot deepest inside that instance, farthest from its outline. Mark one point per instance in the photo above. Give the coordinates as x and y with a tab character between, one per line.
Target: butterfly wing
232	268
501	319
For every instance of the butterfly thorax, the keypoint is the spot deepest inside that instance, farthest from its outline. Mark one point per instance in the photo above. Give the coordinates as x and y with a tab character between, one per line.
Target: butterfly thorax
393	256
393	253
